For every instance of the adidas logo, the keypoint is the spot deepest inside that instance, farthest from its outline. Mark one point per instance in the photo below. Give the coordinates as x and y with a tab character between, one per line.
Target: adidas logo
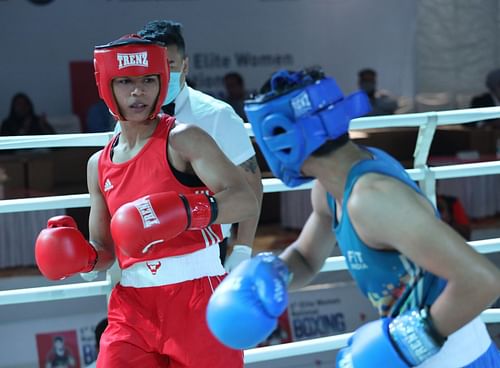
107	185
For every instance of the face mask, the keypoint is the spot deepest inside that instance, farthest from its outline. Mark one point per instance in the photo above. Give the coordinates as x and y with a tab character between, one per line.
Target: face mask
174	87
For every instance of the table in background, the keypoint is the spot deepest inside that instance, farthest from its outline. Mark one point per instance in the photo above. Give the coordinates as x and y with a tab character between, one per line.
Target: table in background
295	208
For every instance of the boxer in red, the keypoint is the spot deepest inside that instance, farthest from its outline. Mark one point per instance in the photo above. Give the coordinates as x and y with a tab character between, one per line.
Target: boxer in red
158	191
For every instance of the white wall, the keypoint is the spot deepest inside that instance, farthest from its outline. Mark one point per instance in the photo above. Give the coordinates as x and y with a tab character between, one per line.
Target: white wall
457	44
343	36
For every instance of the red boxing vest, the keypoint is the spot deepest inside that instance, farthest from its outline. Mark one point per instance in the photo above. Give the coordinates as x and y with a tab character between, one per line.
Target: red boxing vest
147	173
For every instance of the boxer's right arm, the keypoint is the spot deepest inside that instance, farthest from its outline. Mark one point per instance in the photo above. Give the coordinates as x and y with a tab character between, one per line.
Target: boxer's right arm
99	218
61	249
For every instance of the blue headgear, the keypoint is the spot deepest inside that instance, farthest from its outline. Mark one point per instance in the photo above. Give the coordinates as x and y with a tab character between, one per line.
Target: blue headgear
301	111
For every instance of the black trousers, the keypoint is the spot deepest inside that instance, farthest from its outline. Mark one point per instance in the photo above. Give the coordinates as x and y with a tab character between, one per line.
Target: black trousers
223	250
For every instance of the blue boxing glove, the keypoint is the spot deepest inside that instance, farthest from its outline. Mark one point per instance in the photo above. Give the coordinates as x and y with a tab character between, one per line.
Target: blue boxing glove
405	341
245	307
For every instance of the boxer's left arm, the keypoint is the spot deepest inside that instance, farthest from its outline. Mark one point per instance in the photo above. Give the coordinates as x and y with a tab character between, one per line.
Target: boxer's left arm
235	199
389	215
306	256
255	293
99	218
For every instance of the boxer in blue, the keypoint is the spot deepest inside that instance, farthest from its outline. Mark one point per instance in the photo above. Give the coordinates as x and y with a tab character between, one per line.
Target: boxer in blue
428	285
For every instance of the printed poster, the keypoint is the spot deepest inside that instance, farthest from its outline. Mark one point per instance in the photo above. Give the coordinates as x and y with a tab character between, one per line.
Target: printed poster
58	349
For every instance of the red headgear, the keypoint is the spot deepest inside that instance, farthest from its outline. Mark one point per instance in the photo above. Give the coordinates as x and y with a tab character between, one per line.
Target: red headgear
130	56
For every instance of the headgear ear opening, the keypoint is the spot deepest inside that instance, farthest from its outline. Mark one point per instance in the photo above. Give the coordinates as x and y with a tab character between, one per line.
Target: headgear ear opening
130	55
300	112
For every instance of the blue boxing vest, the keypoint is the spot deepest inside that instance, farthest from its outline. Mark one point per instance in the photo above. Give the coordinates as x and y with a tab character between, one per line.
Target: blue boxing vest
391	281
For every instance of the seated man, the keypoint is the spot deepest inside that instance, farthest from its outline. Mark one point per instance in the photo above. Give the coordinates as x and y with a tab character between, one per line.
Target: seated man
453	213
382	103
489	98
99	119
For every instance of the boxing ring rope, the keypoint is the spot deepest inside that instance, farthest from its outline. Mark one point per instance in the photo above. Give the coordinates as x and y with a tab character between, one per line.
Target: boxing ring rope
427	123
270	186
317	345
95	288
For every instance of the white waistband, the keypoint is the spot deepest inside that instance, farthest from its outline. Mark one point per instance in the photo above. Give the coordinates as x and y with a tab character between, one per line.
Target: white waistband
462	347
172	270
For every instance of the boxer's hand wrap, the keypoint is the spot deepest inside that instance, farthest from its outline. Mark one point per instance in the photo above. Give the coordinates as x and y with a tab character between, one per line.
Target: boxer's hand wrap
415	336
239	254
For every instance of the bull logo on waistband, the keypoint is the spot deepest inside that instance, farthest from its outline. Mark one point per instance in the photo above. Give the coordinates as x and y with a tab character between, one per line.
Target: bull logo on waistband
153	267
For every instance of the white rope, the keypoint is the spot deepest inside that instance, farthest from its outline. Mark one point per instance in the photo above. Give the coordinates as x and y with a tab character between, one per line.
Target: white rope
55	140
392	121
323	344
486	246
415	120
481	246
491	315
56	292
317	345
79	290
466	170
292	349
44	203
270	186
450	117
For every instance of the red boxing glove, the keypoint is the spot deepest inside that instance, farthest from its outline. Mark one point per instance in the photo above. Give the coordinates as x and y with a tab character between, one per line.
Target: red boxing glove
62	251
137	226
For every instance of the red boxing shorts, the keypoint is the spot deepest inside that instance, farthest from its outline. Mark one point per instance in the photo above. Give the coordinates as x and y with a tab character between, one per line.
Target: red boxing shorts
163	326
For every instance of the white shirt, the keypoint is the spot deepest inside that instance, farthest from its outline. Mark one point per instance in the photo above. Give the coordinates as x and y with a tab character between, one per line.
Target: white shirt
218	119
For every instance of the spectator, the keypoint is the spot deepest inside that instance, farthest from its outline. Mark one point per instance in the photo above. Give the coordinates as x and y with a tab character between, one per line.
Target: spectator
235	92
3	178
453	213
22	119
382	102
99	119
99	329
490	98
